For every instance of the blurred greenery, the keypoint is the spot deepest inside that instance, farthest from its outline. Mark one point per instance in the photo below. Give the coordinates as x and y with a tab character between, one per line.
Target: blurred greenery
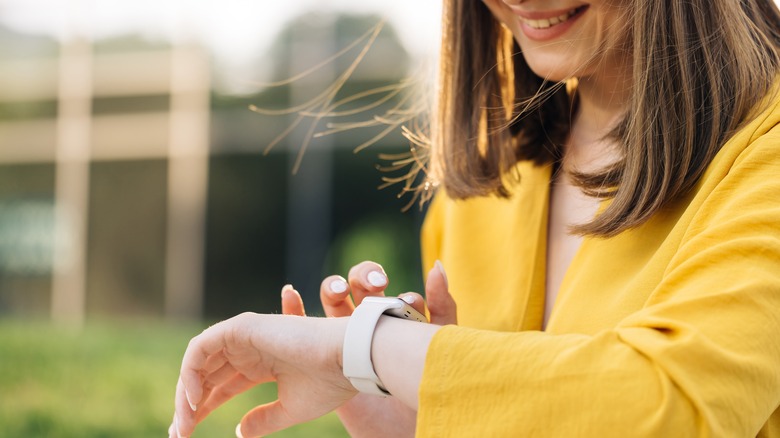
109	380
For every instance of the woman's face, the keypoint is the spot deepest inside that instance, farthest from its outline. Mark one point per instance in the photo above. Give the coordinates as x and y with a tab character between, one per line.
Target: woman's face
567	38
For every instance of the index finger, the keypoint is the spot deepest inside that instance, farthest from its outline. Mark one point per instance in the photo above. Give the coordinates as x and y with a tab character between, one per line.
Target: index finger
334	295
367	279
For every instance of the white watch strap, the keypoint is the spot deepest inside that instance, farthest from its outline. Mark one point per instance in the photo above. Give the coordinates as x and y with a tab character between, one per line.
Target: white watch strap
358	367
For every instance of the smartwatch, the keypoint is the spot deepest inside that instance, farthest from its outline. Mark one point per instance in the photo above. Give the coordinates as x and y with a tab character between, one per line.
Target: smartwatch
357	364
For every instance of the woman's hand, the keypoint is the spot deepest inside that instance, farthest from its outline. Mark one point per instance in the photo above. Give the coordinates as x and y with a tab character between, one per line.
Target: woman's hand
303	355
366	415
339	297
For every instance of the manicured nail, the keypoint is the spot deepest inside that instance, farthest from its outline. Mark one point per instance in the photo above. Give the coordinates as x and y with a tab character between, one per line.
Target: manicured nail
377	279
285	288
192	405
338	286
443	274
238	431
409	299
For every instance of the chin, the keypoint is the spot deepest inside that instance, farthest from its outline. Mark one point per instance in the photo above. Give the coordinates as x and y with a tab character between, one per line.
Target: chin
551	71
553	66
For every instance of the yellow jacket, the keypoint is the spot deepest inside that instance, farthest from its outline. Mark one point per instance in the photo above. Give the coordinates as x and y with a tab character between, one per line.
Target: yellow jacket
669	329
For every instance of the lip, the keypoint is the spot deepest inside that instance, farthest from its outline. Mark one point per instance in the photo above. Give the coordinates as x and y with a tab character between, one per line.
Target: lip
554	31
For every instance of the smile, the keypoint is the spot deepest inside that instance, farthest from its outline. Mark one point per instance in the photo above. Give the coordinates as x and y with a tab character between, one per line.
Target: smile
545	23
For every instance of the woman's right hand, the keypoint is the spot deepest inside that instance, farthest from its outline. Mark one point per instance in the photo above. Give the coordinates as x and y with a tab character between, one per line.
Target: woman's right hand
366	415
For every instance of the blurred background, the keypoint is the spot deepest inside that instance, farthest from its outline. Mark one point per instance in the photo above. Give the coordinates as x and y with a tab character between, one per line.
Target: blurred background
140	201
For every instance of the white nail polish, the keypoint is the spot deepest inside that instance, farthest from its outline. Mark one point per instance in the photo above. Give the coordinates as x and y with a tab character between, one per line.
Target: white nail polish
238	431
338	286
443	273
377	279
192	405
409	299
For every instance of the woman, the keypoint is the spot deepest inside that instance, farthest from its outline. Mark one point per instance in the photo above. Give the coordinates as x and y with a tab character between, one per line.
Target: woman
610	223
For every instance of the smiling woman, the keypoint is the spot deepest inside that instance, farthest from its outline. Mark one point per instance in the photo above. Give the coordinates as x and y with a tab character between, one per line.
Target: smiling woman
607	211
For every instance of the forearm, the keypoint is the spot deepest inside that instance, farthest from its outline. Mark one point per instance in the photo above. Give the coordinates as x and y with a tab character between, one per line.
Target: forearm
398	353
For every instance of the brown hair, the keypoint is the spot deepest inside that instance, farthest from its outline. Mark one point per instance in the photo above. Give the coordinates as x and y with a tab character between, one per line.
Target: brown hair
699	68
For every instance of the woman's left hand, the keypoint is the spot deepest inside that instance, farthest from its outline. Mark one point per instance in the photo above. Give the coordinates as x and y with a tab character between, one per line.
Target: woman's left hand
303	355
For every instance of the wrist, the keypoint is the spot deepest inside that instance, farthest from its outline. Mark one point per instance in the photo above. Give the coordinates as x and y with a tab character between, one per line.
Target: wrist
333	331
337	342
398	354
358	340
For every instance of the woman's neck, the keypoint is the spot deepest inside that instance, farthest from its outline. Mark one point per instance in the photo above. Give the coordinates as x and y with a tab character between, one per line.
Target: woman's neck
601	104
602	101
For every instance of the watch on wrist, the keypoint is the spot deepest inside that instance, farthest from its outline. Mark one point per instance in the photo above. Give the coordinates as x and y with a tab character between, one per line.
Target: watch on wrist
358	367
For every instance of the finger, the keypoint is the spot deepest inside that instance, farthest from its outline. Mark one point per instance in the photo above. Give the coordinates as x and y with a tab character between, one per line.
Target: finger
264	420
367	279
200	349
183	417
440	303
223	393
415	300
334	295
292	303
213	364
173	431
377	417
217	378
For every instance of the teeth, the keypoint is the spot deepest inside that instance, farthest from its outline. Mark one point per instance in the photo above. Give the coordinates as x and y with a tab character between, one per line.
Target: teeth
543	23
549	22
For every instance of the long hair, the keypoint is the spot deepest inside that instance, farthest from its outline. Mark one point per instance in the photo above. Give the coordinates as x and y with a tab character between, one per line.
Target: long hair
699	68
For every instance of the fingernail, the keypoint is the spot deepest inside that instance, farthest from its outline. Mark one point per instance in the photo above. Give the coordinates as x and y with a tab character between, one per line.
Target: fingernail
377	279
409	299
338	286
238	431
192	405
443	274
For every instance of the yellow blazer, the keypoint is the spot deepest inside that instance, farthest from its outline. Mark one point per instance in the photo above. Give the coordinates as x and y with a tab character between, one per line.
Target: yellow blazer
669	329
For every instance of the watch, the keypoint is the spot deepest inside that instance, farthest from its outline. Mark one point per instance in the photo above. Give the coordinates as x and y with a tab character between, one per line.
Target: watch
357	364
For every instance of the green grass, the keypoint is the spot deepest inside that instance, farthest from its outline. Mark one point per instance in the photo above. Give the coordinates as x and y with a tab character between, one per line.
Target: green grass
109	380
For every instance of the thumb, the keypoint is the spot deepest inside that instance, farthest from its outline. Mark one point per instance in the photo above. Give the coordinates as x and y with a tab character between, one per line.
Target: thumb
264	420
441	305
292	303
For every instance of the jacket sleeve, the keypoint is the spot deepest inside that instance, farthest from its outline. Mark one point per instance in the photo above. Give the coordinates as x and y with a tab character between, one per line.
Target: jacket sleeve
701	358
